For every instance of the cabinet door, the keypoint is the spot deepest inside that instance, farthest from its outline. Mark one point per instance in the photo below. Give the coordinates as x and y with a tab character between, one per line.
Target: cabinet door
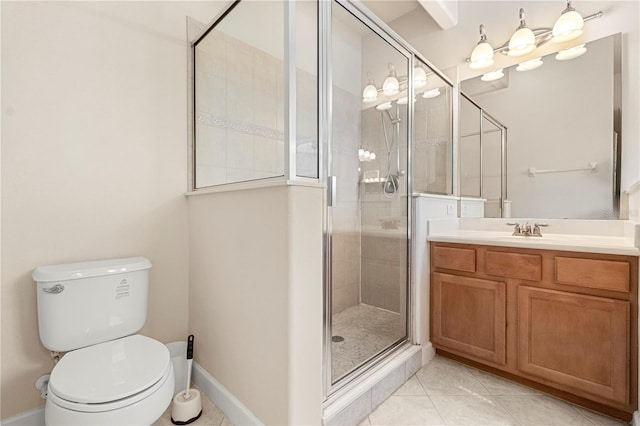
468	315
578	343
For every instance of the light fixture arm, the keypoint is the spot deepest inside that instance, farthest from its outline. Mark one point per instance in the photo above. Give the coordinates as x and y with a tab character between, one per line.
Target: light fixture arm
569	7
523	23
483	34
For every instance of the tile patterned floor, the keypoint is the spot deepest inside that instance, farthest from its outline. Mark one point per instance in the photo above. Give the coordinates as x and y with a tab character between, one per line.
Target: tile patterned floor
445	392
211	416
366	330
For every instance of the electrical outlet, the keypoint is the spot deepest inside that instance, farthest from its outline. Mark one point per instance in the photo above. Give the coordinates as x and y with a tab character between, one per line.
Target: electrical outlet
451	209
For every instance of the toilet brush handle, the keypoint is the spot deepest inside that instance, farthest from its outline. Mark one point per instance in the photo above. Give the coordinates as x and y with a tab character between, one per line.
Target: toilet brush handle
190	347
187	392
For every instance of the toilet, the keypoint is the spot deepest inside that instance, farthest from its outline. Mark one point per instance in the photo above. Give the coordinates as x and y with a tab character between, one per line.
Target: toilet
109	375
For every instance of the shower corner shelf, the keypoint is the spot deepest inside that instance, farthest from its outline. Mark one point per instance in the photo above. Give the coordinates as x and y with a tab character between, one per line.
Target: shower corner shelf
371	176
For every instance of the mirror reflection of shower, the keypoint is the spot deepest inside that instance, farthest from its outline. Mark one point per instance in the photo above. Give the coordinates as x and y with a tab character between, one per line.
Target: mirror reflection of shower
387	99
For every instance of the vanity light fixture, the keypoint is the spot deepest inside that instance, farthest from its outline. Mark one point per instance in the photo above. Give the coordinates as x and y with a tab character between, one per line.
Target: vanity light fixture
370	92
384	106
366	155
431	93
482	55
419	77
493	75
525	40
568	26
394	85
571	53
391	85
530	65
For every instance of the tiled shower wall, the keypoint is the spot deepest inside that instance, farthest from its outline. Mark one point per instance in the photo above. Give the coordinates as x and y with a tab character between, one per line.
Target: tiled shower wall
384	251
346	213
240	113
384	270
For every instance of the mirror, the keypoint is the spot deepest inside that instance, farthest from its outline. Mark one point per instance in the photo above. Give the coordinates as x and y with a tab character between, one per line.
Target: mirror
562	148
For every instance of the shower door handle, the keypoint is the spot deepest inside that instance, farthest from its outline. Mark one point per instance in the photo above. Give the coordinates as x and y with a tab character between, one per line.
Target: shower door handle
331	191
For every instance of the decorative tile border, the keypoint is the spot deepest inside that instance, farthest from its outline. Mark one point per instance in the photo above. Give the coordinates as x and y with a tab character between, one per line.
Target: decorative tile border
433	142
240	126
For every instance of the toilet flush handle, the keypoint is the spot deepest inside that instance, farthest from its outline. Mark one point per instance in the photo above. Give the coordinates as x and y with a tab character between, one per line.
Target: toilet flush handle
56	289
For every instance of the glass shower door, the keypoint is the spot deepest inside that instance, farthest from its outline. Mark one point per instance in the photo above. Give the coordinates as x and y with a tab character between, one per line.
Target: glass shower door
368	213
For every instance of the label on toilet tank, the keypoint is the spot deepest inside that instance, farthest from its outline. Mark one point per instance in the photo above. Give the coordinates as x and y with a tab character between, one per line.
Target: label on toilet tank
122	289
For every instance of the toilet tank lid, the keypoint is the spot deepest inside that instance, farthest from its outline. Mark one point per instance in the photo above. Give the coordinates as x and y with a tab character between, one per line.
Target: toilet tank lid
75	271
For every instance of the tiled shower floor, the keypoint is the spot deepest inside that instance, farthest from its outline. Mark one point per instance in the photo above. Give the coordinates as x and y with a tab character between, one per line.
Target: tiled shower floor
366	330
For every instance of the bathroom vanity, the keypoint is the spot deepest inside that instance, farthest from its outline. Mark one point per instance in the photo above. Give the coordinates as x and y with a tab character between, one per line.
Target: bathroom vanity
564	321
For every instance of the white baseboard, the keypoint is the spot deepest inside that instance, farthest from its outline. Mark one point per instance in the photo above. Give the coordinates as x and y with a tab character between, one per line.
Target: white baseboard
33	417
218	394
428	352
235	410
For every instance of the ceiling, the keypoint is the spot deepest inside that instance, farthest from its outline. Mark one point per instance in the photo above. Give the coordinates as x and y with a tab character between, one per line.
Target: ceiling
390	10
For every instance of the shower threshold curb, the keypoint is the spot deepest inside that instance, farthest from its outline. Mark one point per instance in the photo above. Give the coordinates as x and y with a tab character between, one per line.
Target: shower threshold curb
355	402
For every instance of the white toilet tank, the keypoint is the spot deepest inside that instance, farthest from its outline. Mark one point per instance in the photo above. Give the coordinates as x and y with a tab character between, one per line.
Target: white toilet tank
81	304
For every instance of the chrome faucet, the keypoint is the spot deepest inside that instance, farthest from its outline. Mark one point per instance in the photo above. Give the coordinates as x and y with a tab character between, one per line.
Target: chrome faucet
527	230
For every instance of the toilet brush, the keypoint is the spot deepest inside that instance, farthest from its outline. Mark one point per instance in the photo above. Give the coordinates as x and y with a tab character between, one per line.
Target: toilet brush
187	405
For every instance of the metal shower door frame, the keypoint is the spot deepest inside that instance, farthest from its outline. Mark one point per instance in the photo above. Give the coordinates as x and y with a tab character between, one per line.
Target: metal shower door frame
325	137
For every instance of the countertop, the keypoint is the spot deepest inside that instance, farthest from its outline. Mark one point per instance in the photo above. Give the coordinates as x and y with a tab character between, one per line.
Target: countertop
563	242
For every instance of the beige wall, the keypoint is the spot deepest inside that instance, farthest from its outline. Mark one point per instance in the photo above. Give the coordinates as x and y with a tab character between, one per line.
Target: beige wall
256	297
94	159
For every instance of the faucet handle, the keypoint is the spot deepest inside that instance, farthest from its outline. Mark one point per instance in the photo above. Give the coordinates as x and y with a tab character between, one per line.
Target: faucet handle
517	229
536	229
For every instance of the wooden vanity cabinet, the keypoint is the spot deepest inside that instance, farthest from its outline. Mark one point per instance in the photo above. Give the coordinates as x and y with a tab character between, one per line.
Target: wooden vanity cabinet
560	321
470	316
576	341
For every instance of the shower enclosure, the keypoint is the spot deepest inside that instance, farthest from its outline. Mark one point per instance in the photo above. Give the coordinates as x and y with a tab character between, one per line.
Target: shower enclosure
385	105
329	95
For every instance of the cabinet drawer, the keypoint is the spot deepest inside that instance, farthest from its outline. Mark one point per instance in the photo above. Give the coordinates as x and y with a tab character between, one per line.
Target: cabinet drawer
514	265
603	274
458	259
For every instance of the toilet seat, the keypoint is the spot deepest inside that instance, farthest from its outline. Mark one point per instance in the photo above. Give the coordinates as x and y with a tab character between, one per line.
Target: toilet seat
110	375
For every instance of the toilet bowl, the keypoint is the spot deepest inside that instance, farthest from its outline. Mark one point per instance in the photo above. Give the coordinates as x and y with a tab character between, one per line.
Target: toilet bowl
128	381
109	375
